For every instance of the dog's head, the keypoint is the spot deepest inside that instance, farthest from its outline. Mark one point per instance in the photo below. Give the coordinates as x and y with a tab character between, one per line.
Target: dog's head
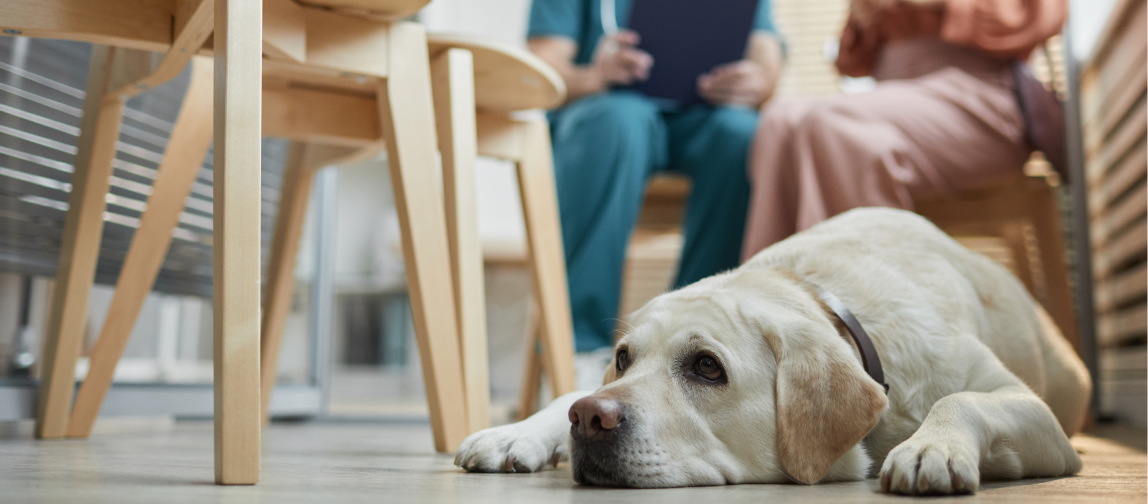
739	378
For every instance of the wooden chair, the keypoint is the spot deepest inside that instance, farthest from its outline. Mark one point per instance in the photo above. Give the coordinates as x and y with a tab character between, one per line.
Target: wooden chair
176	30
508	79
311	118
348	56
1024	212
470	76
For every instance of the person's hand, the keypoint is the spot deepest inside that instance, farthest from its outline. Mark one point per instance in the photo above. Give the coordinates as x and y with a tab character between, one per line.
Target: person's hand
862	13
742	82
857	52
618	62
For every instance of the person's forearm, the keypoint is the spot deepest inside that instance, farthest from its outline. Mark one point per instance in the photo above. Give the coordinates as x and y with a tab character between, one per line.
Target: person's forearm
581	80
990	26
765	50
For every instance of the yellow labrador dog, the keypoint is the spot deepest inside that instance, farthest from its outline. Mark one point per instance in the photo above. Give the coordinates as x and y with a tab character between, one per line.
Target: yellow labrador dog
756	375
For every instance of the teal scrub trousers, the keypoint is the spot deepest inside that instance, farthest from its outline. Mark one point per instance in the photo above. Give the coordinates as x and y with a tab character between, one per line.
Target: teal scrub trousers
606	147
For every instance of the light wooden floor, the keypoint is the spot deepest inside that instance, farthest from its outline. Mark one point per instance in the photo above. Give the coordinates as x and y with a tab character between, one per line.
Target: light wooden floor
358	462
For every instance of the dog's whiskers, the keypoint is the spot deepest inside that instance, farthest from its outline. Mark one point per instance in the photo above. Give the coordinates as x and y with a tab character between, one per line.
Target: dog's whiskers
619	331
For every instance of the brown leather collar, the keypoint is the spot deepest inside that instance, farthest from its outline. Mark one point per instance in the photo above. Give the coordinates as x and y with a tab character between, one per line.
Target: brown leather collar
869	358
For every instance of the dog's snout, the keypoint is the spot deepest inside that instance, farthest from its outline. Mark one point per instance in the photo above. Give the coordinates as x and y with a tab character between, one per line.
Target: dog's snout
593	417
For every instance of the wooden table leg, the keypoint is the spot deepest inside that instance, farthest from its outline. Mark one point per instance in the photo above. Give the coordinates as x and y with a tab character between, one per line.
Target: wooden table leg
407	115
181	163
452	76
83	229
236	233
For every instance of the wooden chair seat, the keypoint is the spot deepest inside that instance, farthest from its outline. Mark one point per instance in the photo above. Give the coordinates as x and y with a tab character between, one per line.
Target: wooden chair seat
506	77
297	97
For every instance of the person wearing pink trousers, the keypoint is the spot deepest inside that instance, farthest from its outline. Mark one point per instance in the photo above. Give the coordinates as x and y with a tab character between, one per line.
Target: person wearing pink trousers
943	117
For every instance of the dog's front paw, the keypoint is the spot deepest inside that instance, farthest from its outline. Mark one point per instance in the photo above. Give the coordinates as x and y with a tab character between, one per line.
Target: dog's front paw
918	467
508	448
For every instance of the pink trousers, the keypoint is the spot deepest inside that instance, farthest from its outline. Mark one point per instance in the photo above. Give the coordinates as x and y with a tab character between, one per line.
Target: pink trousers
942	119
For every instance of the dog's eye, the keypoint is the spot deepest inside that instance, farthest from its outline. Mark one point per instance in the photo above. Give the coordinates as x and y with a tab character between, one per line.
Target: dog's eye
622	360
707	367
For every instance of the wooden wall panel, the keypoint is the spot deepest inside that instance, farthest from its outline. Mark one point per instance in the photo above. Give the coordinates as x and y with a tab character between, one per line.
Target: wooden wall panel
1115	110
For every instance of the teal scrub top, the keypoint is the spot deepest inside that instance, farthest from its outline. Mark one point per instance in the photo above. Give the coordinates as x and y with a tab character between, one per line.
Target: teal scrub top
581	21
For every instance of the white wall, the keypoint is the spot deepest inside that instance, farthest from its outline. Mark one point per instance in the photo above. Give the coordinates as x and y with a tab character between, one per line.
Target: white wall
1088	18
504	20
367	246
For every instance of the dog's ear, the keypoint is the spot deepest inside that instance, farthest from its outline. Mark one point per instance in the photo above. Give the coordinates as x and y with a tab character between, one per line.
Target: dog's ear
826	403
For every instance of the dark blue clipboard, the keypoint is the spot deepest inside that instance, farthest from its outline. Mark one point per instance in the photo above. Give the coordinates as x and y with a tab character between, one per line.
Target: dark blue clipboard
688	38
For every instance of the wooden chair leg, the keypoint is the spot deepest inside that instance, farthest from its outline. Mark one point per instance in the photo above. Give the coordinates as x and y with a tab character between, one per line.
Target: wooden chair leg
185	153
407	116
299	175
532	372
1045	219
452	77
1013	233
238	96
83	228
294	195
547	259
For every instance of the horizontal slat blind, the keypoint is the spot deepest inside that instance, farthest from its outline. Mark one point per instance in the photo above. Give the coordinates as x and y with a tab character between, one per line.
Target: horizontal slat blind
808	27
41	96
1114	93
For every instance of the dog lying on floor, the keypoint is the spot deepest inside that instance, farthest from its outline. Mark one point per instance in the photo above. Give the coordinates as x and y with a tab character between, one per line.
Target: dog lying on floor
757	375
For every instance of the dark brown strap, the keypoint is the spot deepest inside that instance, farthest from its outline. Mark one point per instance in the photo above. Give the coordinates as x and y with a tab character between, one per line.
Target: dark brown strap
869	359
1043	116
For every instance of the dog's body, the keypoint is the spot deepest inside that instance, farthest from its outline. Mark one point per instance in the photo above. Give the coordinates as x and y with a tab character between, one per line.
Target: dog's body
747	377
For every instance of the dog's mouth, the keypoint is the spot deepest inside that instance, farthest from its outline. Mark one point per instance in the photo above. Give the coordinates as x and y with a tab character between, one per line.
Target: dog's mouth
619	459
594	472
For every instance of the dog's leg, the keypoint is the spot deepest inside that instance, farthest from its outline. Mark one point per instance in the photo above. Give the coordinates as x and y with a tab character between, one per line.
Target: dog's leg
525	446
998	430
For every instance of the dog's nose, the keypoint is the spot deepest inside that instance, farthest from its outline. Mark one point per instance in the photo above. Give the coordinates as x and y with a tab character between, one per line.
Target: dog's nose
594	417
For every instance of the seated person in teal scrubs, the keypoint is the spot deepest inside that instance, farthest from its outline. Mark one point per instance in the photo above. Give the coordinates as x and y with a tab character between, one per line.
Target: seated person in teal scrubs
607	143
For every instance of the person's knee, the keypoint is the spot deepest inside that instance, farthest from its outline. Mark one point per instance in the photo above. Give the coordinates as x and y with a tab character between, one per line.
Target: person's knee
731	131
825	121
735	125
783	117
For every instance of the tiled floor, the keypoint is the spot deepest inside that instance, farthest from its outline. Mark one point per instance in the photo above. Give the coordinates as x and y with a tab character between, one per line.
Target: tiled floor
377	463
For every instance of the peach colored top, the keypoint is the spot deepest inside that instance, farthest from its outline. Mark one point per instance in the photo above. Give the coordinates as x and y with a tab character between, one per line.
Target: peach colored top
1006	29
